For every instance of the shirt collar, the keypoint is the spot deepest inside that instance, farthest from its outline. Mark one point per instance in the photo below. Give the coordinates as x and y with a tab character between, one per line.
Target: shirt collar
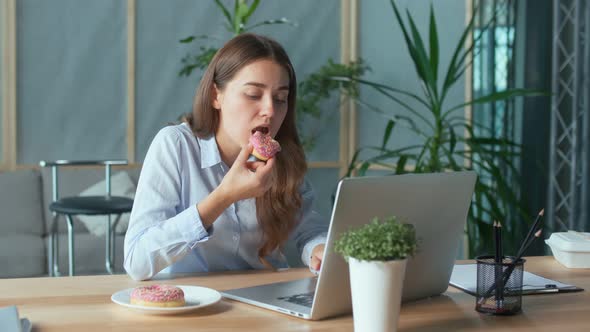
209	152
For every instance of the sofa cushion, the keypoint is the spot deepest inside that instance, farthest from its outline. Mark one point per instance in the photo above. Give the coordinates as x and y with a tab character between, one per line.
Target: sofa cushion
22	255
121	185
134	174
20	203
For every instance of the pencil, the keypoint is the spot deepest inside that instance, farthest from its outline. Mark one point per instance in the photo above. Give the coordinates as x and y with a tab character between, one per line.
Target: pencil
537	234
529	235
496	243
512	266
500	246
499	262
497	266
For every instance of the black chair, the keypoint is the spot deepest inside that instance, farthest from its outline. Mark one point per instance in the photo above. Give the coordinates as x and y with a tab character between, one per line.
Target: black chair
106	205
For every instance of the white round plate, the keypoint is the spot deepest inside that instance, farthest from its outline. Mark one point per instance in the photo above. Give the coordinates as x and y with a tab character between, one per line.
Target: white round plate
194	296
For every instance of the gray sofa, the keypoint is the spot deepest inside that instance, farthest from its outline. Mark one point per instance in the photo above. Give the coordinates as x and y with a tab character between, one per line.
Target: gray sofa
25	222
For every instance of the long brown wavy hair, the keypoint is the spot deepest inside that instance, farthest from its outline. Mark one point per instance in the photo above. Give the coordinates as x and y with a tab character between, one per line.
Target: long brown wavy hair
277	209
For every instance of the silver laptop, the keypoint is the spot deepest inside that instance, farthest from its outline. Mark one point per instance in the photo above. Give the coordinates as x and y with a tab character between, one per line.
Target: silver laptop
436	204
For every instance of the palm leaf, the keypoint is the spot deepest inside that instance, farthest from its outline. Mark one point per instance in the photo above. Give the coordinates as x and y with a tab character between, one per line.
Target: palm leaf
251	10
479	141
362	171
388	154
458	68
433	44
225	13
504	187
387	134
281	20
451	159
405	121
190	39
384	165
401	164
409	43
422	153
451	70
509	155
453	140
498	96
381	86
423	60
403	104
352	164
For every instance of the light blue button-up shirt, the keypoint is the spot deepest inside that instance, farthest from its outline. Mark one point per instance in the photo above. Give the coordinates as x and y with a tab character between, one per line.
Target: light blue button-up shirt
165	230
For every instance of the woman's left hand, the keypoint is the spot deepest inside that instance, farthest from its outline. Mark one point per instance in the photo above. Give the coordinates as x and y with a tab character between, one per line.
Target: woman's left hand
317	254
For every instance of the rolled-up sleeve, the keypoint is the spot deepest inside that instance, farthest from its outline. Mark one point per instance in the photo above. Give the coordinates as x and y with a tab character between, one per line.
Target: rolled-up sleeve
161	231
312	229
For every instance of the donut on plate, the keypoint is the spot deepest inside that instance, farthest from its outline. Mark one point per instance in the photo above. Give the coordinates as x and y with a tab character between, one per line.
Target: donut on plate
157	296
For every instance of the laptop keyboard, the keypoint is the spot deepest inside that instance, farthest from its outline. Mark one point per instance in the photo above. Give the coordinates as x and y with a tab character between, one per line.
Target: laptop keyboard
304	299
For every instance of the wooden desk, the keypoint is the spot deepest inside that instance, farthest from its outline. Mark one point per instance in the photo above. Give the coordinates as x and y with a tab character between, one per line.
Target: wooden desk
83	304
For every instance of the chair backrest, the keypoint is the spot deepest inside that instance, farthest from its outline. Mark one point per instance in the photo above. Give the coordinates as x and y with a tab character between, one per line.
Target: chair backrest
75	177
56	164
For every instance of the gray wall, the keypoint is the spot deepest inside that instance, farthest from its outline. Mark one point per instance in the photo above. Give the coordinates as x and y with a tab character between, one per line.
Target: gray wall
1	80
71	79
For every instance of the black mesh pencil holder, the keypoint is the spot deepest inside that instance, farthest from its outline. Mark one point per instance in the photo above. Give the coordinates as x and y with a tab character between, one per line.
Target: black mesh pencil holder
499	285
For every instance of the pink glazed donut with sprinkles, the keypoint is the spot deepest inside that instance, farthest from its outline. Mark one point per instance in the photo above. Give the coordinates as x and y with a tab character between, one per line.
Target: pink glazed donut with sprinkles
265	147
157	296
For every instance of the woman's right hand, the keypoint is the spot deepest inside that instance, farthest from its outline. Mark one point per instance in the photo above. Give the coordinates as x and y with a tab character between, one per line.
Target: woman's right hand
244	180
247	179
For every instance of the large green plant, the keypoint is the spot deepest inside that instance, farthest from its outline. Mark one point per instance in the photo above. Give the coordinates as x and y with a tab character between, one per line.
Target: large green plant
442	145
313	91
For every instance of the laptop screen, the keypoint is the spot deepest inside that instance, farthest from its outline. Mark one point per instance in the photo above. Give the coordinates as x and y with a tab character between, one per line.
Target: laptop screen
436	204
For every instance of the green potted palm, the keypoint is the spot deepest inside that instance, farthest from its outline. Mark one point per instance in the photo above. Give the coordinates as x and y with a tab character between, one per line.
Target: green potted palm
377	255
444	138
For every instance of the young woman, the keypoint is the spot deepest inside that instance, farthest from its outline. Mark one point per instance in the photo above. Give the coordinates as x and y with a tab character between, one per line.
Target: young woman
200	204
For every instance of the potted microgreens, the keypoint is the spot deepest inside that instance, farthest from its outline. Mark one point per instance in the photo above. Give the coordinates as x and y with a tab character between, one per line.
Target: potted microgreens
377	254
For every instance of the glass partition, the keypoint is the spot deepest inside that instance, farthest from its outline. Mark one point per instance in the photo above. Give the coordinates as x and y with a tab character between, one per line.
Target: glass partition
71	79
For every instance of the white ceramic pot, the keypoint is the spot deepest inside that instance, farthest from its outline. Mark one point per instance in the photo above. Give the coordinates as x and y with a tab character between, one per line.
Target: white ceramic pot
376	288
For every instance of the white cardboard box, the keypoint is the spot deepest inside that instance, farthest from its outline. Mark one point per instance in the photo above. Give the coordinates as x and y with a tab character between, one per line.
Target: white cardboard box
572	249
